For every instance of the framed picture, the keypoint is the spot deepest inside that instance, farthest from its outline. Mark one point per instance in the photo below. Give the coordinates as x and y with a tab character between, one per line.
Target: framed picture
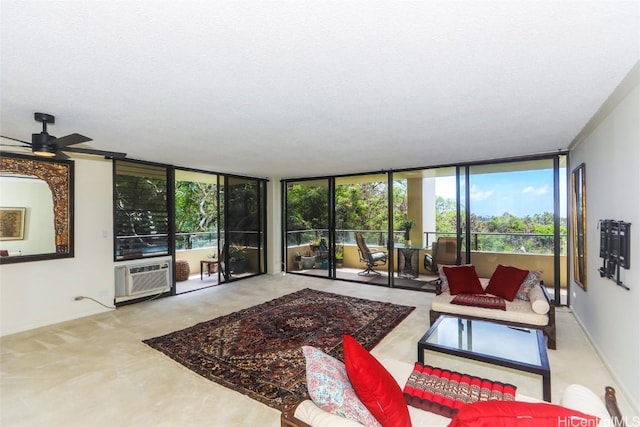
12	223
579	226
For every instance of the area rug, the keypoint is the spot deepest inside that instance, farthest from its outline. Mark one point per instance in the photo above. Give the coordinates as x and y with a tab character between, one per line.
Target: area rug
257	351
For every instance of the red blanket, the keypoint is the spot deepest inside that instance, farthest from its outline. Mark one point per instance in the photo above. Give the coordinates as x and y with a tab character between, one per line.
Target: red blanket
444	392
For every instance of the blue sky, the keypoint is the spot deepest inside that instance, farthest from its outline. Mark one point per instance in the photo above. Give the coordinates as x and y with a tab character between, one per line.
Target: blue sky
519	193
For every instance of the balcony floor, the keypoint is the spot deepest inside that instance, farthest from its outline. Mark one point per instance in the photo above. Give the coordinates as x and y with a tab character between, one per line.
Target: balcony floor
351	274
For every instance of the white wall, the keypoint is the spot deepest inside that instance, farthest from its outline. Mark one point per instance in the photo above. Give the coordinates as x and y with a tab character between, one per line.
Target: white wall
40	293
610	150
39	229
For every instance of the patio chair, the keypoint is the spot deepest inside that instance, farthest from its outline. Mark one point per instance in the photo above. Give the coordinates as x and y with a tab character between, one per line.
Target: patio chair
443	252
371	258
222	264
218	263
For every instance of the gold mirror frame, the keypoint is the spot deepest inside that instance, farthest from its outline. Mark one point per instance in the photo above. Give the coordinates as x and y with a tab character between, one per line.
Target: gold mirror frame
58	174
579	225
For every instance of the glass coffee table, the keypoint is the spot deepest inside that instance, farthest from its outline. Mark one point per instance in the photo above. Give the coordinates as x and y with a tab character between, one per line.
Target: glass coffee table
513	347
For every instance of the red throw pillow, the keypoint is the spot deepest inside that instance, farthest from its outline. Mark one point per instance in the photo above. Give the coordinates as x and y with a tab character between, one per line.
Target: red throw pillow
374	385
493	413
505	282
463	280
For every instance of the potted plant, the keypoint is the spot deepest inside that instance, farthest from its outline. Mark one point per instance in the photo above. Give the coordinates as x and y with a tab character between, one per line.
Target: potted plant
237	259
308	261
297	260
407	225
339	257
213	266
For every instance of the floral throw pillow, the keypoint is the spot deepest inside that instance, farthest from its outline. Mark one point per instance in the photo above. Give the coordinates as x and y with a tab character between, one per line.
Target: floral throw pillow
329	387
532	279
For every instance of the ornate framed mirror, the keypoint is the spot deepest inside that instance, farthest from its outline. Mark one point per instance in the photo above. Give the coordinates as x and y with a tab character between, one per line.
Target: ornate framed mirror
36	195
579	226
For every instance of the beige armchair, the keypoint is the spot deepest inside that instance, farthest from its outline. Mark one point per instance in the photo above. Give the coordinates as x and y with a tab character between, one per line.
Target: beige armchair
443	252
371	258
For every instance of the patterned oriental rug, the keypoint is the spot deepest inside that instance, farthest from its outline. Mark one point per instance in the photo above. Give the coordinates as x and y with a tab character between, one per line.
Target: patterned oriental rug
257	351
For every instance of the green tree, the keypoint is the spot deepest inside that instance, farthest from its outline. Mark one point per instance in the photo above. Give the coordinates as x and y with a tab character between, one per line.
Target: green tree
445	215
196	207
504	233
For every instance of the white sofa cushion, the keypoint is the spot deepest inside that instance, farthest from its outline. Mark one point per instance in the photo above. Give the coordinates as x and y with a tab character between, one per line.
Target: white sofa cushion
516	311
539	303
308	412
580	398
575	396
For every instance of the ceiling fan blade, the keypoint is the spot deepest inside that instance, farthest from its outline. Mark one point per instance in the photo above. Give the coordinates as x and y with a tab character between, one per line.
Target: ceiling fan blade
111	154
61	156
14	145
74	138
16	139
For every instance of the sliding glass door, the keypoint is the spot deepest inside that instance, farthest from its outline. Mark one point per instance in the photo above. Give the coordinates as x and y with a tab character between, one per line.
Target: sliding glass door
487	214
213	225
513	219
424	210
362	209
196	228
307	210
244	227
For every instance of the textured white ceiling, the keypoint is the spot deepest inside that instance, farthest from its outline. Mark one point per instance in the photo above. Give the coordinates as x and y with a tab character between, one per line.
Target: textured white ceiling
306	88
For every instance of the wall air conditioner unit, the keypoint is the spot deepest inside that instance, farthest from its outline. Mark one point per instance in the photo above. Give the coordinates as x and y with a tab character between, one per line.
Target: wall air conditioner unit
142	279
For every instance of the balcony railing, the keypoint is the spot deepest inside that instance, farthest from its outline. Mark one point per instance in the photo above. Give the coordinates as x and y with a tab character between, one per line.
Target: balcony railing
497	242
199	240
372	237
143	245
480	242
485	258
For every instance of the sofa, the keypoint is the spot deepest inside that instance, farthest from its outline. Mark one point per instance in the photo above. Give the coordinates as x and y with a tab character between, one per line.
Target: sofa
575	397
530	307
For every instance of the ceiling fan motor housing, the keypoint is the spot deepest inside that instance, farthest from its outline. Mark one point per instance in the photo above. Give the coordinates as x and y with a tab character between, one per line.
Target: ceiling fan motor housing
43	143
44	118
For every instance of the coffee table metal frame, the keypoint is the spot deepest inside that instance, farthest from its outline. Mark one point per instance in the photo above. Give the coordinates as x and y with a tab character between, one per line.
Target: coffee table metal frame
542	369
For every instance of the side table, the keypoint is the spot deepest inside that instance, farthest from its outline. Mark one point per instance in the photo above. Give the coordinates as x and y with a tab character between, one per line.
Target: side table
408	261
206	262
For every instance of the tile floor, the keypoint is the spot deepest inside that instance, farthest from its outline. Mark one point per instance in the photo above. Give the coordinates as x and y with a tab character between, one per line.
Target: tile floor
96	371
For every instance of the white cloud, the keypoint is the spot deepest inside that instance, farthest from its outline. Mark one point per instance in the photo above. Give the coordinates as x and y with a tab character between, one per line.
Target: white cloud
476	194
446	187
539	191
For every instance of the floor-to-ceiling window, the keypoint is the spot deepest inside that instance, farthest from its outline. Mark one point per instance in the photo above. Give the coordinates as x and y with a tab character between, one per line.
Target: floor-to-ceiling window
424	210
322	220
503	212
513	219
244	212
307	227
141	210
362	208
196	228
158	208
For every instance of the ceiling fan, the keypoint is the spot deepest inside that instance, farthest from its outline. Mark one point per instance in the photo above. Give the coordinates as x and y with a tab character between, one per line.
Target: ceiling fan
45	145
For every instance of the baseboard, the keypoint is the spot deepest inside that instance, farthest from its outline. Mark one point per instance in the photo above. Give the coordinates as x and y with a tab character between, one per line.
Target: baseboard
620	389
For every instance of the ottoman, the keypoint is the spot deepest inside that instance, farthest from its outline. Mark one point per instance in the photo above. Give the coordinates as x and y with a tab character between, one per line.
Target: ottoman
182	270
